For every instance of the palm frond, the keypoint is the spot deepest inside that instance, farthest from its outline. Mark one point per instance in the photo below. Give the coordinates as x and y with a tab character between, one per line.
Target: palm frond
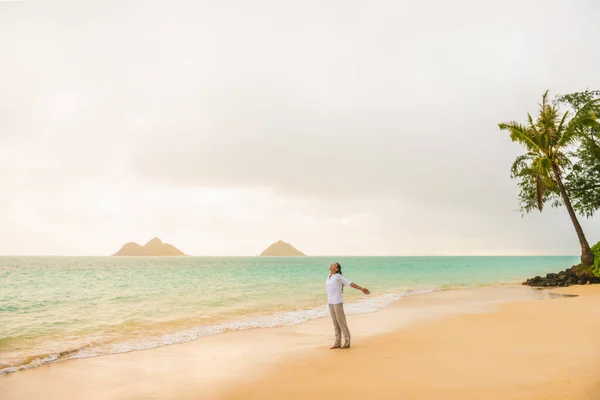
537	186
532	125
519	133
521	163
562	122
543	165
546	123
585	117
544	99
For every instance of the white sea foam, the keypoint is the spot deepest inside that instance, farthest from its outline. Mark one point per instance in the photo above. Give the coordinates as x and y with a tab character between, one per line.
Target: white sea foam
285	318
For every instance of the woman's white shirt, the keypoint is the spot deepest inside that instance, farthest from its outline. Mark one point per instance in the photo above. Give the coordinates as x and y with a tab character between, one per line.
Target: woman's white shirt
334	285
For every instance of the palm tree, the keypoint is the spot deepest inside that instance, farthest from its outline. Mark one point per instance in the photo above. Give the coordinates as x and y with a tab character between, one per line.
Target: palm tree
546	141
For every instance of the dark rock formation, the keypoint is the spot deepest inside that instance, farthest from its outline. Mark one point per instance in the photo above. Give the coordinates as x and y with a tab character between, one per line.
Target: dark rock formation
576	275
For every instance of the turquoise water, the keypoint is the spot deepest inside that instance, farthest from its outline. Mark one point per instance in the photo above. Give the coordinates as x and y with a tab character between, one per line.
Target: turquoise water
54	308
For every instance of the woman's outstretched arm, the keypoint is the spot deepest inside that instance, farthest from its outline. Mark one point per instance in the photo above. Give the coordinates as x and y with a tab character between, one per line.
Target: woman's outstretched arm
362	289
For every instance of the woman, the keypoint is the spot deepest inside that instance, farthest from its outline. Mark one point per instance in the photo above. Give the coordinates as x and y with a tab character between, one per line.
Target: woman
335	284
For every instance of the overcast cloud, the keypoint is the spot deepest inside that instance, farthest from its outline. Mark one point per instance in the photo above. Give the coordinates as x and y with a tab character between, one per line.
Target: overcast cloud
343	127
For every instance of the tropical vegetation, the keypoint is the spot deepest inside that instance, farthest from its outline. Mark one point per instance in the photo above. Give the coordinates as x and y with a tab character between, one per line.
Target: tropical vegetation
559	164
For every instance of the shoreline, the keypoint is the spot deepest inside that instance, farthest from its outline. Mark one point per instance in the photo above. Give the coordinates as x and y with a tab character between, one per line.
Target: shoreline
208	366
279	319
547	349
364	305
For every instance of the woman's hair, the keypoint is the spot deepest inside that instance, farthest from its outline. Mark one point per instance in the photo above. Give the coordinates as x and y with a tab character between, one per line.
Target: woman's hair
339	268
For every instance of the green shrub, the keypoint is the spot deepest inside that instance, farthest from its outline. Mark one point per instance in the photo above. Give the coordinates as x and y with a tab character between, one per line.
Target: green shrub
596	266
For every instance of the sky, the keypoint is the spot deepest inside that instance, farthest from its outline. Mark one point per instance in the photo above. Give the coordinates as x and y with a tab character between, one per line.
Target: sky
343	127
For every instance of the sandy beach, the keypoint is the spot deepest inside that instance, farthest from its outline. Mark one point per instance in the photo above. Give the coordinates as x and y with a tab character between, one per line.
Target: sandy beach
547	349
492	343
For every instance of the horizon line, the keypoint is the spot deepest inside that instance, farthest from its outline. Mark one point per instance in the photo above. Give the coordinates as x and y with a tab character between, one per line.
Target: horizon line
303	256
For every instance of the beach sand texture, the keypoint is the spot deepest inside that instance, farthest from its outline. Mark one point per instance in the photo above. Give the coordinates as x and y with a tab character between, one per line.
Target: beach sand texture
455	344
547	349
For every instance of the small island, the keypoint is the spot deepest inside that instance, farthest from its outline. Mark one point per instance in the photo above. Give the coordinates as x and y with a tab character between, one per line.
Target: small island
281	249
154	247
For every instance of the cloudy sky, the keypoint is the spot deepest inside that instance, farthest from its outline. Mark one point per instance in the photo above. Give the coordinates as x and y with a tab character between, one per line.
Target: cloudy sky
344	127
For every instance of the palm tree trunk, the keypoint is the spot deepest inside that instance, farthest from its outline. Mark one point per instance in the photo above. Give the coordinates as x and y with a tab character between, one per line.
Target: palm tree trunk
587	257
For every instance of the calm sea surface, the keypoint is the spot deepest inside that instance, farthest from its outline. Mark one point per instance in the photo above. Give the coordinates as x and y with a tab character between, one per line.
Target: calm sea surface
54	308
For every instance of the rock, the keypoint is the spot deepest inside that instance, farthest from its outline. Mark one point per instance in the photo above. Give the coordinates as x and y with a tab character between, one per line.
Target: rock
576	275
281	248
537	281
154	247
563	275
131	249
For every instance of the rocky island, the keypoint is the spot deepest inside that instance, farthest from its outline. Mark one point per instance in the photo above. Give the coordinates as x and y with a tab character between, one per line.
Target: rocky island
281	248
154	247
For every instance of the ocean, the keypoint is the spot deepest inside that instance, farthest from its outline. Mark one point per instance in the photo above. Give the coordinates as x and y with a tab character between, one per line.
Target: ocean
54	308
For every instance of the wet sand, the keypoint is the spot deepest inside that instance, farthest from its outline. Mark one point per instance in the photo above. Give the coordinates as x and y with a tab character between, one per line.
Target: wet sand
450	344
547	349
